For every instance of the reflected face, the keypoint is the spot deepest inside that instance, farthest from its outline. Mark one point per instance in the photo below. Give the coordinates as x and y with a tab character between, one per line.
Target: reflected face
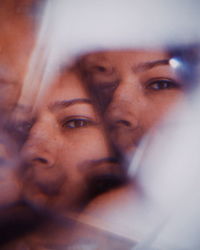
133	88
16	42
66	146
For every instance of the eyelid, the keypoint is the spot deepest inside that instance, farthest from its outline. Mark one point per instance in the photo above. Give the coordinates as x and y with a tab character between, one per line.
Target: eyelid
160	79
92	121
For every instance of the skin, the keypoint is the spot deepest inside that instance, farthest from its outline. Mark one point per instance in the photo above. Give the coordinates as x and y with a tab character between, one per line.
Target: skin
134	89
10	187
134	94
17	37
65	148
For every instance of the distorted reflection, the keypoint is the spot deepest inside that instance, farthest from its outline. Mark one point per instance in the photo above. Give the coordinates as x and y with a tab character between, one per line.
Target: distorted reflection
66	146
66	158
92	133
135	88
17	37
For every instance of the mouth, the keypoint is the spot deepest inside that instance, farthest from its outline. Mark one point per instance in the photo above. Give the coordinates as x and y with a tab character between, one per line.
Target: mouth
104	174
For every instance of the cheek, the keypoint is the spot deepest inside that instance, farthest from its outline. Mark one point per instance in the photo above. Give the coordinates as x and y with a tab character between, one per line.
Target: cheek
85	145
159	105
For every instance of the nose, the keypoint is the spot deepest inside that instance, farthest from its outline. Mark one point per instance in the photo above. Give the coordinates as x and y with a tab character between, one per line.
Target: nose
43	176
123	116
41	147
125	105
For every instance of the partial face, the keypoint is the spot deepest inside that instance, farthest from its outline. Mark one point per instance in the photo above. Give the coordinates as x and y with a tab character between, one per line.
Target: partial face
66	146
10	185
134	90
16	42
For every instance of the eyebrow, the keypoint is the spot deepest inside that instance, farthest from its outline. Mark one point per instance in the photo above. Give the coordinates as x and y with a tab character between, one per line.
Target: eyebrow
66	103
149	65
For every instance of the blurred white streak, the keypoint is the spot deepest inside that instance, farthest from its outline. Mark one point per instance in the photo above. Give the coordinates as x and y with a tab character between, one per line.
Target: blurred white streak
167	168
88	25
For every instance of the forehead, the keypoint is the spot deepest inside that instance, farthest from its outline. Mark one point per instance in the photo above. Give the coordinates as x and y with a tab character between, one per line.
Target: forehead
16	35
67	87
124	57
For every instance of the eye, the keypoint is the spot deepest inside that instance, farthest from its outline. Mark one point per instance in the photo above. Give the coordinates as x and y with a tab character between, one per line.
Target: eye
23	127
162	84
99	68
20	130
77	123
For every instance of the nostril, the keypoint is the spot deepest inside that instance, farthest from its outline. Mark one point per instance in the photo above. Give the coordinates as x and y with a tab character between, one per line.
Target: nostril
104	69
101	68
40	160
123	122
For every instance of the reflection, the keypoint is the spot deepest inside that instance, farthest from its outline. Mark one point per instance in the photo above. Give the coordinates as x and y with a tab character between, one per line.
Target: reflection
134	89
66	158
161	196
65	145
66	154
59	153
17	36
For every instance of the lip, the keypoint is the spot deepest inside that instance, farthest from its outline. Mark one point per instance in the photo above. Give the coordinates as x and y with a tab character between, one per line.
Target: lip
100	165
110	166
104	178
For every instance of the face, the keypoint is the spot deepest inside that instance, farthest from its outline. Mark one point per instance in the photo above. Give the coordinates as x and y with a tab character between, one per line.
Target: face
16	42
133	88
66	146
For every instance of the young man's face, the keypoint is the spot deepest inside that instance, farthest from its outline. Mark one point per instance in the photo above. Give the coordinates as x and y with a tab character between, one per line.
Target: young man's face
134	89
66	146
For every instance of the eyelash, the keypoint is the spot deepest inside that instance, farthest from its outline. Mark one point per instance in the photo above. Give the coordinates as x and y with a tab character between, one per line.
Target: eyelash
162	84
77	122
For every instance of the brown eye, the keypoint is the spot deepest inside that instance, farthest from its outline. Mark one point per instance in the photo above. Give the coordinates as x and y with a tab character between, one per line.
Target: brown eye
19	129
77	123
23	127
162	85
99	69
